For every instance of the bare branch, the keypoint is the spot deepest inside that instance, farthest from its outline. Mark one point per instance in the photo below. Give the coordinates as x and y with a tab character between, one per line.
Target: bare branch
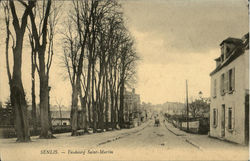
7	20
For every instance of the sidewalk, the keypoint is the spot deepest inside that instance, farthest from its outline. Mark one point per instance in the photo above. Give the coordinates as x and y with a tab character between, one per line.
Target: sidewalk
64	140
204	142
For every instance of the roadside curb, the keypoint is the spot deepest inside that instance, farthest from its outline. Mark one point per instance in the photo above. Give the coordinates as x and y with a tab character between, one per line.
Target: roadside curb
193	143
124	135
173	131
188	140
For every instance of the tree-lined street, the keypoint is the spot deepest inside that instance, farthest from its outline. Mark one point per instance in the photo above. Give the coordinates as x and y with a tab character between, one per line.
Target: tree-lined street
124	80
145	141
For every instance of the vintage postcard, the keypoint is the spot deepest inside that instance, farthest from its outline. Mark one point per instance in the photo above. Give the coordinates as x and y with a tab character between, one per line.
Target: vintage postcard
124	80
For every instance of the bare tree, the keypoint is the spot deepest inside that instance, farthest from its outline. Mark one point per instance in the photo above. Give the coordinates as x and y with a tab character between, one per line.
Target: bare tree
33	70
42	32
93	46
127	72
74	52
17	94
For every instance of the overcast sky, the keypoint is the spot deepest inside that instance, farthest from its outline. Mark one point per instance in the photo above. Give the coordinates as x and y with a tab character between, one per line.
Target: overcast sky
176	40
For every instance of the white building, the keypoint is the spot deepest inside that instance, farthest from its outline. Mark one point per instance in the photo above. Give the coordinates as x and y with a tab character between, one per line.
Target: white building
229	110
60	118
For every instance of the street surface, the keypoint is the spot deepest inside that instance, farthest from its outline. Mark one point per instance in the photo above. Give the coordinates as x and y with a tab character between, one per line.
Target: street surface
145	142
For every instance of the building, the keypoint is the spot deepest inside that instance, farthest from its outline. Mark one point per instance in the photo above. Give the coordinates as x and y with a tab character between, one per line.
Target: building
60	118
229	110
131	106
174	108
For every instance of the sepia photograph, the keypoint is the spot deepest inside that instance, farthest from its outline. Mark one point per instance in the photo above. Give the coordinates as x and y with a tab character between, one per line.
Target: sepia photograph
124	80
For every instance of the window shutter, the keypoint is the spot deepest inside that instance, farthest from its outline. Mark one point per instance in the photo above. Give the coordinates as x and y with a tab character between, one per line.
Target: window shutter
226	85
226	117
216	118
233	79
233	116
221	85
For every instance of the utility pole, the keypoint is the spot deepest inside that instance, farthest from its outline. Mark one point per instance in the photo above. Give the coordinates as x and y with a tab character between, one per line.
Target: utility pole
187	106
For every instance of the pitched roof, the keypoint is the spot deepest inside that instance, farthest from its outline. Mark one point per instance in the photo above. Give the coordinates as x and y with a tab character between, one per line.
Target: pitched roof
245	39
241	46
217	59
235	41
56	114
235	54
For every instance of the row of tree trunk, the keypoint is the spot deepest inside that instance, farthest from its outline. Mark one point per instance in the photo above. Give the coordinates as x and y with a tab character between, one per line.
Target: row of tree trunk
98	54
41	43
100	59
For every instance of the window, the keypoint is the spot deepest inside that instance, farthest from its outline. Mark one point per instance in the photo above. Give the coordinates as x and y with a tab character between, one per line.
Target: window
230	119
222	52
222	57
222	84
214	90
227	52
231	78
214	117
226	82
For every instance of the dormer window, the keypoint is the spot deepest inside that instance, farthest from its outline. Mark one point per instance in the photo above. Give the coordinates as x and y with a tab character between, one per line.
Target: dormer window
222	49
218	61
227	46
222	57
227	51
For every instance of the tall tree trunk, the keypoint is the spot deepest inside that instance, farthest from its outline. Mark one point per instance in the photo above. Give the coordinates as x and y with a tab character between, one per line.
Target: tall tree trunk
17	94
84	112
98	96
44	109
106	103
121	111
89	112
116	110
112	109
102	104
40	43
74	111
93	99
33	68
87	93
18	98
46	131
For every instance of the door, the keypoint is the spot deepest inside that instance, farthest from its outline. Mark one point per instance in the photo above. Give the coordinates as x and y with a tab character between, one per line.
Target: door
223	120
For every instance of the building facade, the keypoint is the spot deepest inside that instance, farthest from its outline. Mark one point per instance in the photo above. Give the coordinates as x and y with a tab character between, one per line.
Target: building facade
174	108
229	112
131	106
59	118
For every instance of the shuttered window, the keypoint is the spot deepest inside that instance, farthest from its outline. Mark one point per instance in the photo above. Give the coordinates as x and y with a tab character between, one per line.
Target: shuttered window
230	119
231	79
214	90
222	84
226	82
215	117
